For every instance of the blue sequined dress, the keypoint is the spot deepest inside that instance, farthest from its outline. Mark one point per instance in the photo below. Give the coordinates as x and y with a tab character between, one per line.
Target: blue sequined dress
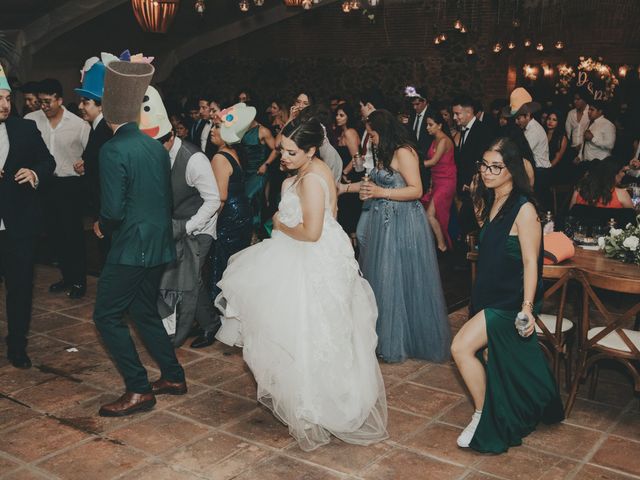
233	228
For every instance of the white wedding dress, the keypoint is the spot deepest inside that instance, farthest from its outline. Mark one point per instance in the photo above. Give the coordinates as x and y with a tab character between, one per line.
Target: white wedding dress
306	320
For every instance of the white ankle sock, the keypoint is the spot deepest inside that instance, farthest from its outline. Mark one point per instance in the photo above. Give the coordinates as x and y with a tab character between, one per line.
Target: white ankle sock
467	434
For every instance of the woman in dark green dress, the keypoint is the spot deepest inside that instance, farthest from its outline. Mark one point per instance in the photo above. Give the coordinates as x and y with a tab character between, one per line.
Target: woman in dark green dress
514	389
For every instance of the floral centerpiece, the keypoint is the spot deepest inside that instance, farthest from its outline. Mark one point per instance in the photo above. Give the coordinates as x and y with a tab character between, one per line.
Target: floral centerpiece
623	244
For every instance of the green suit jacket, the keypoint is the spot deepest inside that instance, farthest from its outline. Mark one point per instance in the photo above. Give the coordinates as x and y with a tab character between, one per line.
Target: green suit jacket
135	195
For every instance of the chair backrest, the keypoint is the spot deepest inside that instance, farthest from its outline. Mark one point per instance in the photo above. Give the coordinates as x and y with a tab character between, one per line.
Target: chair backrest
560	286
613	322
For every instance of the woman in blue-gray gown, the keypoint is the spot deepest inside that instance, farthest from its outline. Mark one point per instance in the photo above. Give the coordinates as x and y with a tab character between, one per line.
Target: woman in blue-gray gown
398	257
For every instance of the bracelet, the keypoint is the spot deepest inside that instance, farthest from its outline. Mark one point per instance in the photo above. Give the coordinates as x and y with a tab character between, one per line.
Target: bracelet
347	190
527	303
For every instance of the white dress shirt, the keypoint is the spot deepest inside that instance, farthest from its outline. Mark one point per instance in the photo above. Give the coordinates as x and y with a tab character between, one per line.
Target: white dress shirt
204	136
199	175
604	138
367	147
66	142
4	153
96	121
539	143
575	128
464	131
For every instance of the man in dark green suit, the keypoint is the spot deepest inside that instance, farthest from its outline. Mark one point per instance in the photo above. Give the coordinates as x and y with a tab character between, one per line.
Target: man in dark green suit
135	182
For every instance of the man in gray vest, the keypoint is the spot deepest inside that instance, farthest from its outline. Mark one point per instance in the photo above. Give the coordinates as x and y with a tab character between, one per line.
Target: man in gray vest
196	201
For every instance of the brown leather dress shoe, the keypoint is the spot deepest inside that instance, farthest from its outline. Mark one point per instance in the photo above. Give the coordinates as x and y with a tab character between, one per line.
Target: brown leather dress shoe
163	386
127	404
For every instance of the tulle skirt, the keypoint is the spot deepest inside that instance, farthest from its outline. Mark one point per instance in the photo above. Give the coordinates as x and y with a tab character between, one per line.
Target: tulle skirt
306	321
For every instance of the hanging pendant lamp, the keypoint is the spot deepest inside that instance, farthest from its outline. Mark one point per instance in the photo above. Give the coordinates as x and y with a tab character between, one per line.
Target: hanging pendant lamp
155	16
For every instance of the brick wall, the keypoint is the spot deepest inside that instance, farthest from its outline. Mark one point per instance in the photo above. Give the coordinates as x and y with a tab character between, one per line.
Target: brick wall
330	52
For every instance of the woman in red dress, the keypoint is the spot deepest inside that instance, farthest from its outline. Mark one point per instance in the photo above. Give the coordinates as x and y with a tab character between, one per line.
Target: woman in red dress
437	201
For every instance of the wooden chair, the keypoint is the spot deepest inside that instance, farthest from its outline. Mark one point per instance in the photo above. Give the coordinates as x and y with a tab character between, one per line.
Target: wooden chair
556	332
611	341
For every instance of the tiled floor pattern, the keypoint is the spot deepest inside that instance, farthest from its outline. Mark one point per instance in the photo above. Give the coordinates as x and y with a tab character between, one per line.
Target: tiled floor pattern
49	427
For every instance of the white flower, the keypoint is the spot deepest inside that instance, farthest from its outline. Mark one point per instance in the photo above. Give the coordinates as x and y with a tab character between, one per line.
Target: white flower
614	232
631	243
601	242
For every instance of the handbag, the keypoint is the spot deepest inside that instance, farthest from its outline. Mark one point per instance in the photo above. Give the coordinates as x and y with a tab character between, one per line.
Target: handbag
557	248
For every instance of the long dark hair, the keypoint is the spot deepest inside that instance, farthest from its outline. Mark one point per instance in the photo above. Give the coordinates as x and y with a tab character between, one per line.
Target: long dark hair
600	182
437	117
352	120
392	136
484	197
555	143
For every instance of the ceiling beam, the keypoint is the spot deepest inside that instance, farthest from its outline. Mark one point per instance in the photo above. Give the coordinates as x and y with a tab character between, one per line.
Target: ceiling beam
59	21
226	34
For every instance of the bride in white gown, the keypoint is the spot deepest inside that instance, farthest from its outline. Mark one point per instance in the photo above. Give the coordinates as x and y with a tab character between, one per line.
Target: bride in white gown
303	314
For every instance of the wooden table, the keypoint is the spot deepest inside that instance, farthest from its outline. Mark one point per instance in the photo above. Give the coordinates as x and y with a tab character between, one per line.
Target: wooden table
626	275
618	276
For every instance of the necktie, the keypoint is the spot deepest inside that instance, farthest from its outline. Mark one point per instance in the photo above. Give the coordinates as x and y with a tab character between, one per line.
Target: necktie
365	144
463	136
416	126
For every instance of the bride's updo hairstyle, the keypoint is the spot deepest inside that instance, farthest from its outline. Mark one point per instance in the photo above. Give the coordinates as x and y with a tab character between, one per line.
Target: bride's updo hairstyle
306	133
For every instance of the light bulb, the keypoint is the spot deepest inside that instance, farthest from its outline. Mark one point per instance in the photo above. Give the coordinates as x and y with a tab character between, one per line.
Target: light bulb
346	6
355	4
442	37
622	71
463	29
457	24
437	40
515	23
471	51
497	48
559	45
540	47
244	6
511	45
307	4
527	43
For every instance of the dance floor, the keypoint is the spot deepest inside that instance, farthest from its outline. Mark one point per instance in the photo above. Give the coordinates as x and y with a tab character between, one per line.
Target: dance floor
49	426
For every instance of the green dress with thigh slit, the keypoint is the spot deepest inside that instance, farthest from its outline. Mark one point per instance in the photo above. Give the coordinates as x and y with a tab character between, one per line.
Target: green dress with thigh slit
521	390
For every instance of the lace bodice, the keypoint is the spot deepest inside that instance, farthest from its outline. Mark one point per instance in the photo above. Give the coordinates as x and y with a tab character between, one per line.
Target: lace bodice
290	208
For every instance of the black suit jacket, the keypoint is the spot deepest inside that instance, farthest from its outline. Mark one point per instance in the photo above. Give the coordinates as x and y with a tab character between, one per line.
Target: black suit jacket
478	140
425	139
196	132
98	137
19	203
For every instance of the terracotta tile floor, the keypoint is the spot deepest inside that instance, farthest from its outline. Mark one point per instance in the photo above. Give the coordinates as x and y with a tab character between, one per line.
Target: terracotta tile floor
49	427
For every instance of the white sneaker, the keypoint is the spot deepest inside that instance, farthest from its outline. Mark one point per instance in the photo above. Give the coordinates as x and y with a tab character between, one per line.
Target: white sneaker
467	434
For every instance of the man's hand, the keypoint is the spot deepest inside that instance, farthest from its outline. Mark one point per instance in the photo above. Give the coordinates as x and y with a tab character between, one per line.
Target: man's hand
78	167
588	136
263	169
25	175
96	230
576	160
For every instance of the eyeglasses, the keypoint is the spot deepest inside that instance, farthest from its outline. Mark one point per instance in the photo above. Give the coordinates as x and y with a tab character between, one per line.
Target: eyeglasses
47	101
493	169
